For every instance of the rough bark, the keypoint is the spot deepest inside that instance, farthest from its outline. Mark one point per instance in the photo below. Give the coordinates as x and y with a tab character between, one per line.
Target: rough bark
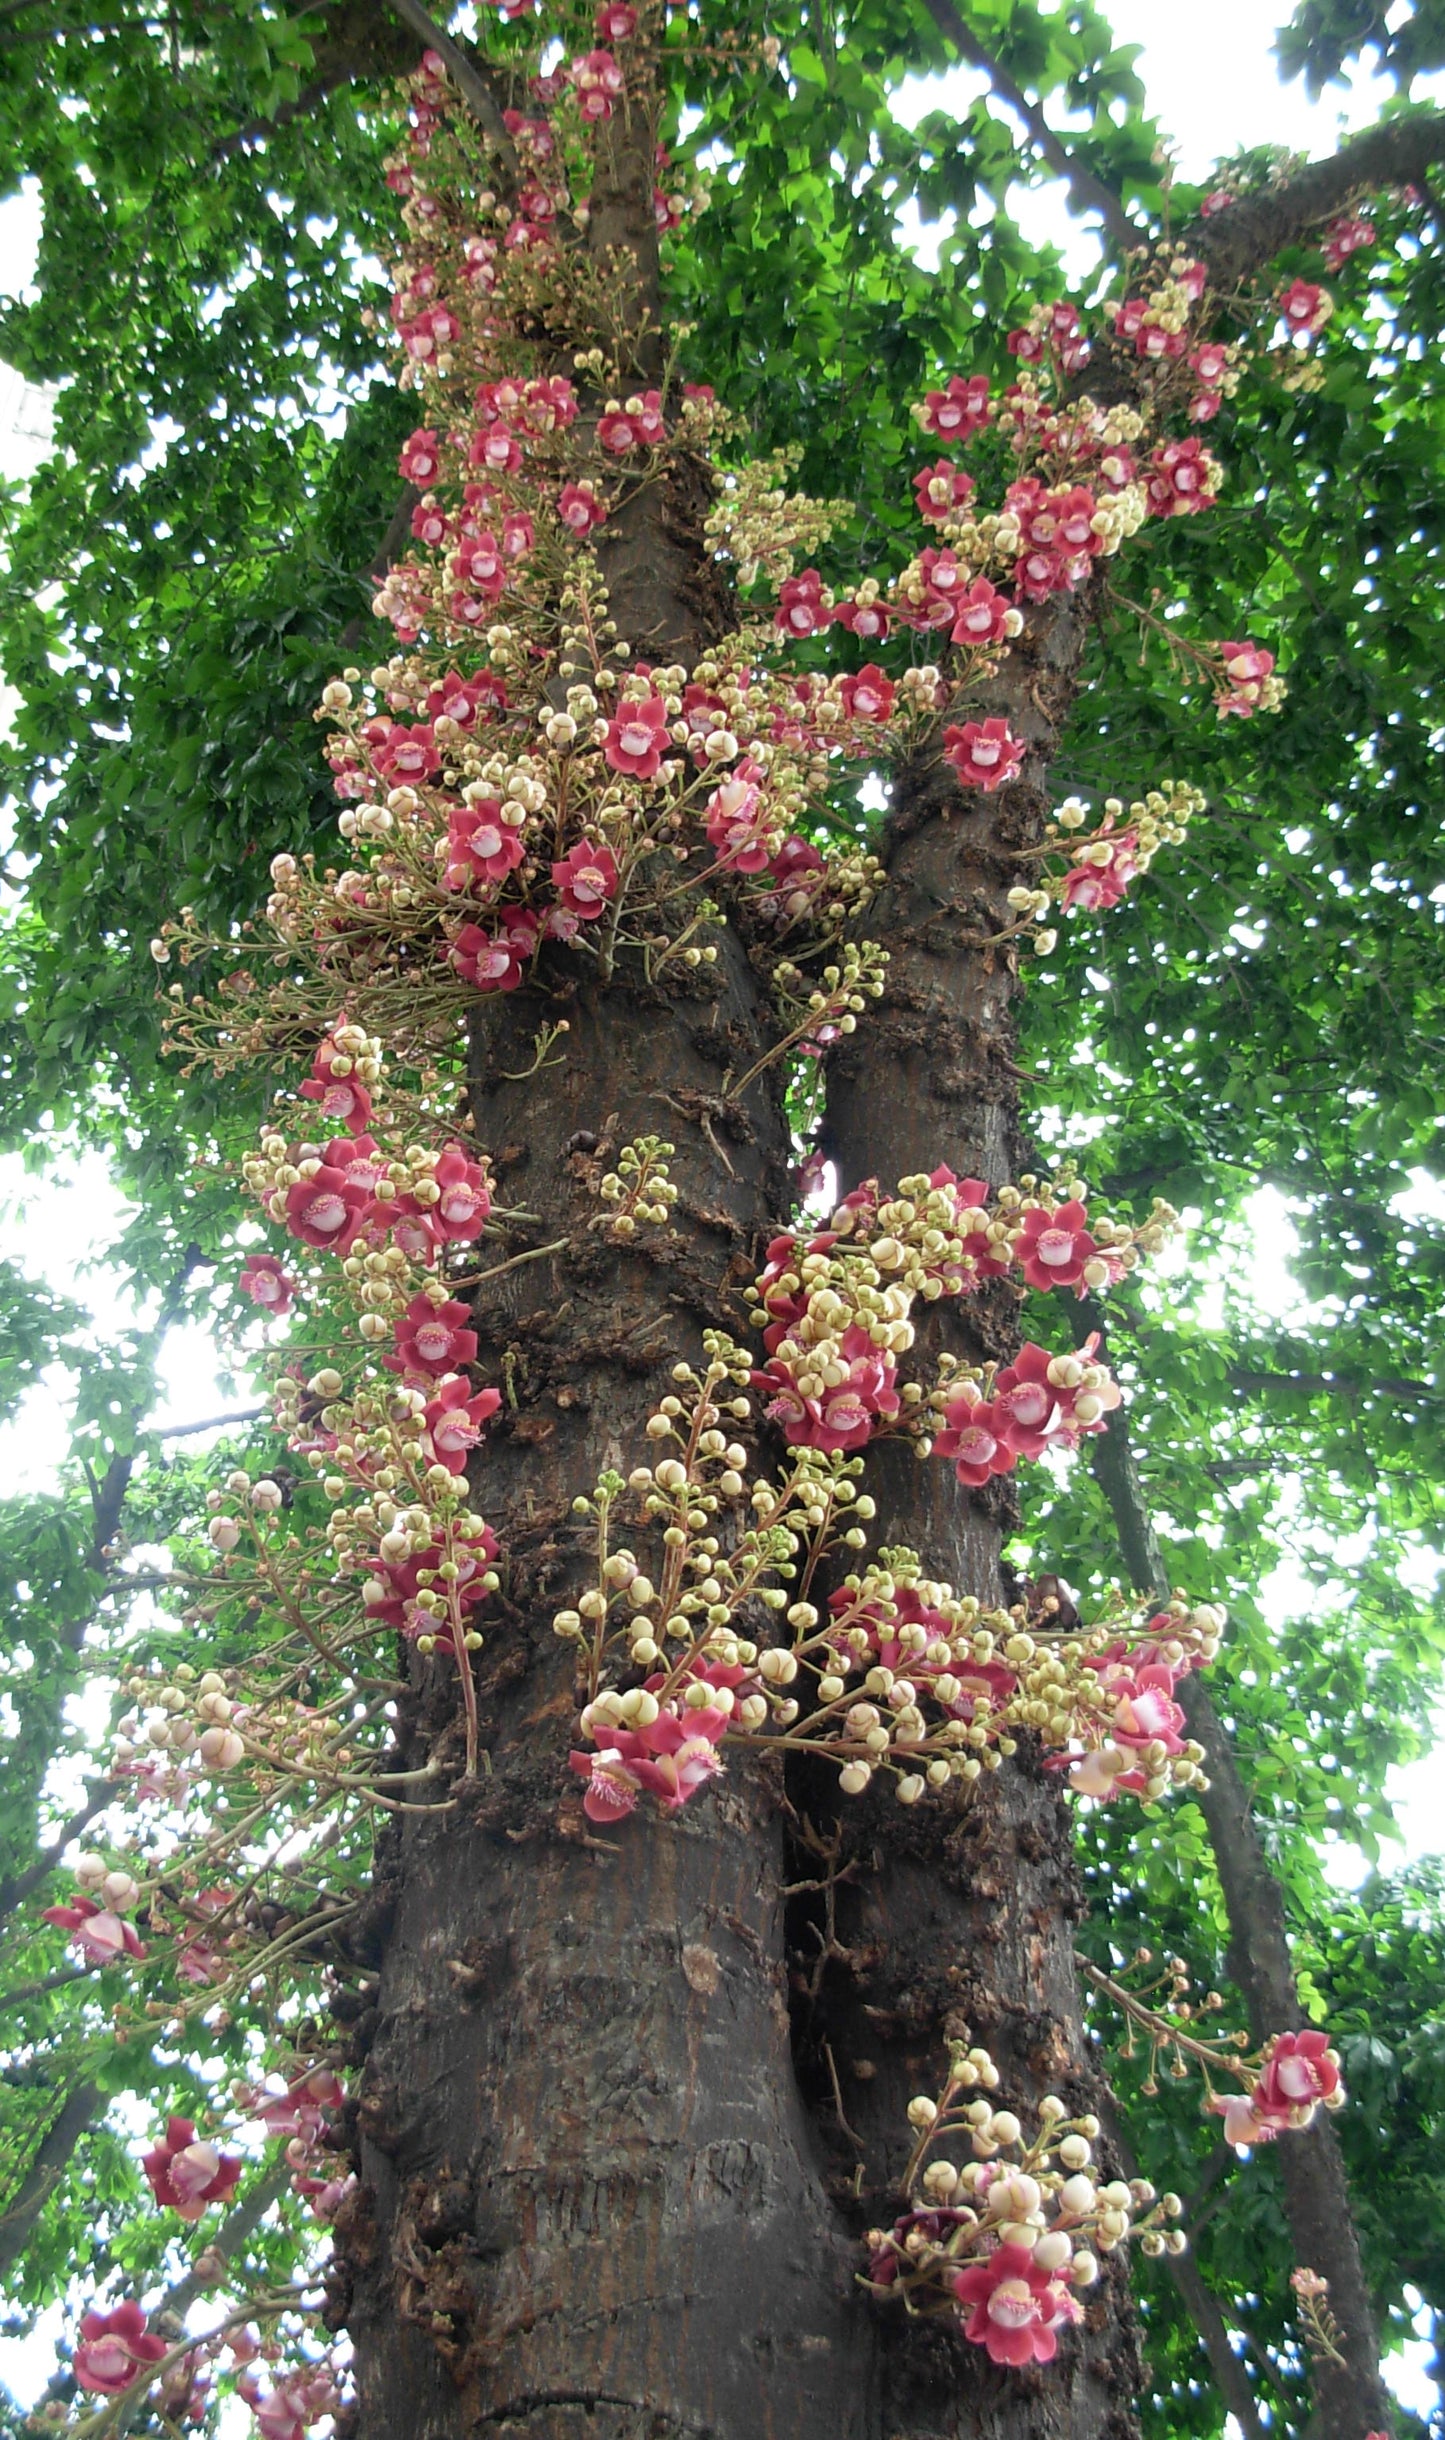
1349	2398
967	1916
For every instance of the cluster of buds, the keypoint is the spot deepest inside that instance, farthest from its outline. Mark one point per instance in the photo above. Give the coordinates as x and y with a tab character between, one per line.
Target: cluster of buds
1285	2083
1106	857
836	1310
1000	2244
639	1189
896	1673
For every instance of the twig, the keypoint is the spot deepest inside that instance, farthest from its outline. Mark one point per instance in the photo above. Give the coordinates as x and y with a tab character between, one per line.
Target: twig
470	83
1089	193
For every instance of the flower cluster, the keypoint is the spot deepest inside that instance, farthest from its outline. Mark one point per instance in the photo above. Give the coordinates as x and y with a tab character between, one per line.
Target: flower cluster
999	2244
1105	859
1285	2083
894	1673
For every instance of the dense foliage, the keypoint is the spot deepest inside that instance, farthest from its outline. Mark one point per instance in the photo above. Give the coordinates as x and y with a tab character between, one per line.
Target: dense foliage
1267	1017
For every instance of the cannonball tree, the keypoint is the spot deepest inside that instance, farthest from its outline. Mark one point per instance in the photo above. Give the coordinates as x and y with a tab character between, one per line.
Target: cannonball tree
588	1887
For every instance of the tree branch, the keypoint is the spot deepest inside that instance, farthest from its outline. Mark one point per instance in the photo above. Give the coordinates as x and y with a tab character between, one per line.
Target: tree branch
77	2112
210	1423
1089	193
1317	2198
1238	242
18	1887
1202	2306
468	78
256	130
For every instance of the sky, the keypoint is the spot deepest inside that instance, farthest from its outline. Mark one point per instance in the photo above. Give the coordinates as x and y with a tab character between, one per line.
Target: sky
1212	82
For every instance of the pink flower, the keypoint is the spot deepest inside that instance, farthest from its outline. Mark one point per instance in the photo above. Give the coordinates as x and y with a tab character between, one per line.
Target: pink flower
976	1436
1305	307
325	1210
420	459
800	873
940	489
1026	345
301	2110
959	410
1102	869
408	754
670	1758
496	961
598	80
455	1422
185	2175
345	1102
432	1339
1016	2307
734	814
870	620
115	2349
984	753
637	737
1053	1247
612	1792
1300	2072
585	879
801	609
1246	666
100	1935
265	1280
868	695
1180	478
1025	1402
481	846
979	614
294	2404
465	1198
616	21
579	508
1343	238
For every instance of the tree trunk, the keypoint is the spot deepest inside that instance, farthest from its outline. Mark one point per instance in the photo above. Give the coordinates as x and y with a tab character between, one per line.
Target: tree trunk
967	1917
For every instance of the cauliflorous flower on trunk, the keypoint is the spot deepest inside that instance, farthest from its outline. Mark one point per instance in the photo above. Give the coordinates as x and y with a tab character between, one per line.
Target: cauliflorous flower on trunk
984	753
186	2174
420	459
1305	308
288	2411
496	961
345	1102
586	879
99	1933
1102	870
432	1339
975	1435
480	845
464	1197
1053	1247
1301	2071
455	1422
115	2349
940	489
868	695
735	814
1015	2309
1246	667
267	1282
325	1209
980	615
801	609
637	737
953	413
579	508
